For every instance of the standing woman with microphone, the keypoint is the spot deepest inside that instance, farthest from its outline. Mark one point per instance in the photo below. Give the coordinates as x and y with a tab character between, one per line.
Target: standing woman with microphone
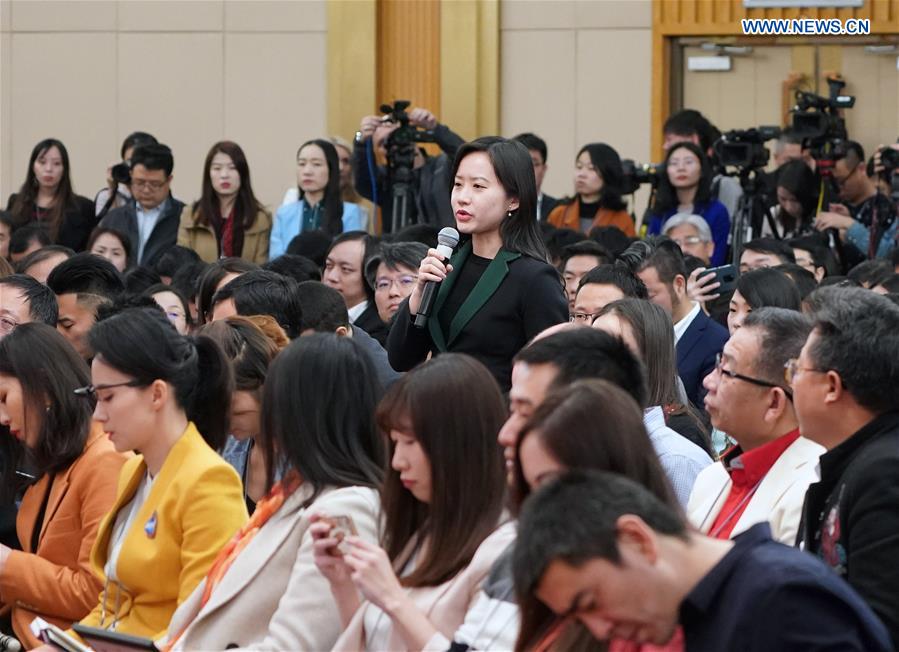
500	291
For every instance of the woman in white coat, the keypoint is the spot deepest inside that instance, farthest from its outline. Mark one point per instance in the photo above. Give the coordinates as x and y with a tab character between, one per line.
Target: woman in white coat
443	503
264	591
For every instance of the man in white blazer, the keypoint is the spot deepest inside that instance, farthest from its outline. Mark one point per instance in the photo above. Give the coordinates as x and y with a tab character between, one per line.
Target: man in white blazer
765	476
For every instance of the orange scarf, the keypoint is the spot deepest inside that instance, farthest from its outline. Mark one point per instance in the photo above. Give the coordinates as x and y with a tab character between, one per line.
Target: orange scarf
265	509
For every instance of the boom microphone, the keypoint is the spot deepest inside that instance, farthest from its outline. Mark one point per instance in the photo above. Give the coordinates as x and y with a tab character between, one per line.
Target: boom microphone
447	240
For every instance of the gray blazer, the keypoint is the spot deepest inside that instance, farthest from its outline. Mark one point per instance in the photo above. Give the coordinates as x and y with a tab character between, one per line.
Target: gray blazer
163	237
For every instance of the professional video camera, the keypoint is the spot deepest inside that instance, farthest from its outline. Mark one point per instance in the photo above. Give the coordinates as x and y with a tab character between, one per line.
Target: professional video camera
745	149
636	174
401	141
401	159
817	121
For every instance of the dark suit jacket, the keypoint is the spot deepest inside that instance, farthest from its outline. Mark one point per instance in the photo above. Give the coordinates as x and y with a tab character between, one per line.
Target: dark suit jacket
696	351
78	220
546	206
515	298
163	237
370	322
385	373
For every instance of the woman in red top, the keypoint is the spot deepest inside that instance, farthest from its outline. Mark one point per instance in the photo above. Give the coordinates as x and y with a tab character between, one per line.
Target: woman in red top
598	182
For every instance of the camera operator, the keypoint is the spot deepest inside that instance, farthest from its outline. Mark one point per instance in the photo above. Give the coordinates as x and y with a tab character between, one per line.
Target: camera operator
690	125
867	220
151	219
431	175
118	176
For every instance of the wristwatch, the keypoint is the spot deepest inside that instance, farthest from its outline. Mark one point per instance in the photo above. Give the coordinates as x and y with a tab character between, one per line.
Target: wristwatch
358	139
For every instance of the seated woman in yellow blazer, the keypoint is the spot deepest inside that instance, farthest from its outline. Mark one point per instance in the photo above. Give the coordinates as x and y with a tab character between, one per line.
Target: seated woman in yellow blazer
76	471
227	220
178	503
264	592
443	505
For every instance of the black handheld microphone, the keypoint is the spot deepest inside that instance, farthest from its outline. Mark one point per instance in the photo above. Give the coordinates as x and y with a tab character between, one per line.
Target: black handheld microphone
447	240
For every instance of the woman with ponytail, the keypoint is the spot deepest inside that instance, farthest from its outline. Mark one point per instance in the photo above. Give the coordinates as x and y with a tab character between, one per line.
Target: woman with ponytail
178	503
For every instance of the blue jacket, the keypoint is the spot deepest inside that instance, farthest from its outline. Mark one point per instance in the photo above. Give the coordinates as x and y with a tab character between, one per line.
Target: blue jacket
696	351
859	235
715	214
289	221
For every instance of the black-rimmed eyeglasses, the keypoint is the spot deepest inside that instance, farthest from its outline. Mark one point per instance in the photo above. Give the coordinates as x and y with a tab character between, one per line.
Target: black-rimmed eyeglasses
749	379
91	390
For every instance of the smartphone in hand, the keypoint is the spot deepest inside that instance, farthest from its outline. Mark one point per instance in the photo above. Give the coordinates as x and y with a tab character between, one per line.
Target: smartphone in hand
725	275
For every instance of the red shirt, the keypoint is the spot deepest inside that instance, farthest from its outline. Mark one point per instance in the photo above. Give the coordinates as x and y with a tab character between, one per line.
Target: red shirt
746	472
228	235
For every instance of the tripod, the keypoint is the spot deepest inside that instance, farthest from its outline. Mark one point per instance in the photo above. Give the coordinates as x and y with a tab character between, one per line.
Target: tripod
400	159
750	214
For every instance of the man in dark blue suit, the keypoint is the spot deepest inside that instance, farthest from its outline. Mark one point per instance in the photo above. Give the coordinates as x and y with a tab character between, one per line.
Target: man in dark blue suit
697	338
697	349
633	569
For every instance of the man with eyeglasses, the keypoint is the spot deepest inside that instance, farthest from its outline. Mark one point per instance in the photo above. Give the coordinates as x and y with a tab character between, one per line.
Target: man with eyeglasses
23	300
846	391
603	285
151	220
692	234
392	273
866	221
764	477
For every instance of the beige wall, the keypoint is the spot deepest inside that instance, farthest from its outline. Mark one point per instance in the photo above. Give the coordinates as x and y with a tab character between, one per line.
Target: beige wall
190	72
576	72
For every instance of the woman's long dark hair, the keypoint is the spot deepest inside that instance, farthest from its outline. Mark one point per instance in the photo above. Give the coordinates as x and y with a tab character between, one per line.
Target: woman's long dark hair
769	288
666	196
23	208
799	179
143	343
588	425
318	414
654	335
207	210
49	371
608	165
515	172
332	202
453	407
